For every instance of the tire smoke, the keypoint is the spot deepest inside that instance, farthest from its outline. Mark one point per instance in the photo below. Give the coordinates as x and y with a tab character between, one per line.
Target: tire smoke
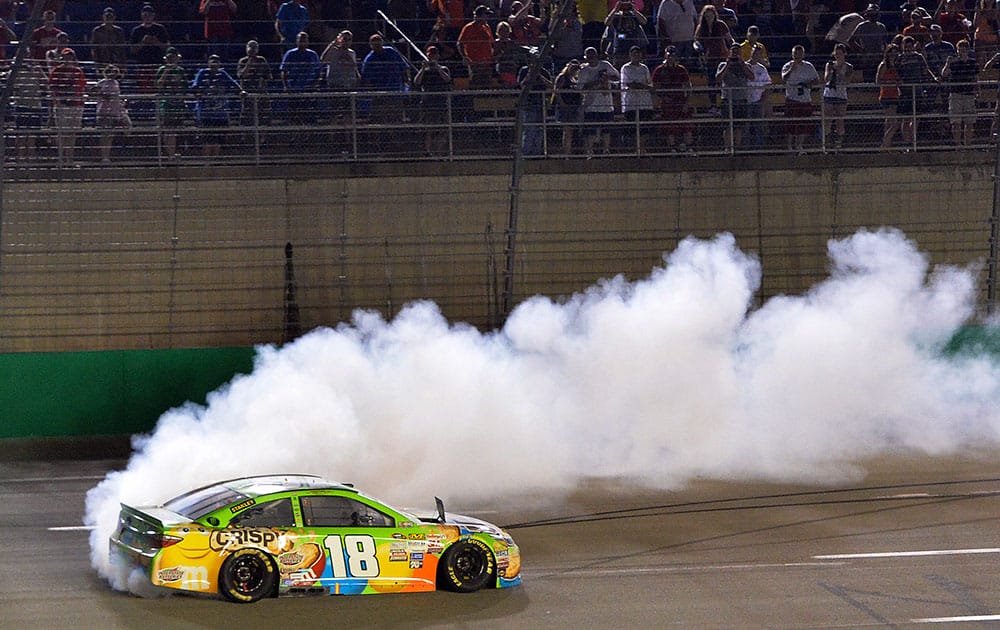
655	381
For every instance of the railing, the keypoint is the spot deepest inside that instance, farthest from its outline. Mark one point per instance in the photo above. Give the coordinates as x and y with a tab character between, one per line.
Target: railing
469	124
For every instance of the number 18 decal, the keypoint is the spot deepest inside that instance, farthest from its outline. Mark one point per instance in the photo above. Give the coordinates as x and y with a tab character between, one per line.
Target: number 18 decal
361	561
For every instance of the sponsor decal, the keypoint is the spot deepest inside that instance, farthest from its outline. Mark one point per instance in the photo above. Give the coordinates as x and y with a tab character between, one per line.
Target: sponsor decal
435	543
242	538
419	546
239	506
416	560
171	574
398	536
291	558
398	555
416	536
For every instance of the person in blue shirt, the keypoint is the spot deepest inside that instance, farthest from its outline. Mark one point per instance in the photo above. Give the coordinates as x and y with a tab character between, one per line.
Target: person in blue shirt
290	20
301	71
214	87
383	69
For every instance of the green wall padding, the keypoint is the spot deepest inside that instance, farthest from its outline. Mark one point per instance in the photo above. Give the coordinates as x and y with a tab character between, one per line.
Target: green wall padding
107	393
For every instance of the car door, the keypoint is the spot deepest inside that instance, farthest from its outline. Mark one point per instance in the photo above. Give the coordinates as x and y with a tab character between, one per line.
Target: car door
366	550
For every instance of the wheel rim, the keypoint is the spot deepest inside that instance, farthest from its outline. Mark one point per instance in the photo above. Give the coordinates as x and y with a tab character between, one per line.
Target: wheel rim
248	574
469	564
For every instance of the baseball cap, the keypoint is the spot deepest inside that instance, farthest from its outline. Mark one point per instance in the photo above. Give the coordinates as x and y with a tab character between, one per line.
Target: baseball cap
67	51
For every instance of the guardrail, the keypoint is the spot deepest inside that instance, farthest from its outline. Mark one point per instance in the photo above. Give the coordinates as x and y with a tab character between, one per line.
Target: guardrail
474	124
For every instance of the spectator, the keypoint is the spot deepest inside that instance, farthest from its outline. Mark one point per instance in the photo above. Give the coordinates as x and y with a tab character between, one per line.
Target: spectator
889	92
510	56
526	29
987	30
913	74
836	77
954	25
341	63
171	84
713	38
675	24
937	51
673	85
566	98
301	71
148	41
750	43
30	97
219	15
595	80
637	97
533	109
592	14
44	38
67	83
799	76
112	115
53	57
341	73
757	97
254	74
917	30
384	70
994	62
475	43
107	41
449	19
6	37
623	31
433	80
214	87
291	19
870	38
962	73
566	39
734	75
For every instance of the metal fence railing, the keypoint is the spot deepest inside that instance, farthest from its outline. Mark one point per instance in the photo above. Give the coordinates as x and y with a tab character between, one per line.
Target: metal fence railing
477	124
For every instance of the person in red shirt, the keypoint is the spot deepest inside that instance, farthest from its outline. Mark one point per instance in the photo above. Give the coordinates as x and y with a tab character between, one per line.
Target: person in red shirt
66	84
43	38
475	43
219	16
954	25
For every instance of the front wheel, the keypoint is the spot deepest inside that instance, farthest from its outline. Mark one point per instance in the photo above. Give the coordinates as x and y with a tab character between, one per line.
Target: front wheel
466	566
247	575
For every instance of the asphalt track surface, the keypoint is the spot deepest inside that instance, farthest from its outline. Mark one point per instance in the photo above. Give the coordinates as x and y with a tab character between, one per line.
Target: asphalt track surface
915	543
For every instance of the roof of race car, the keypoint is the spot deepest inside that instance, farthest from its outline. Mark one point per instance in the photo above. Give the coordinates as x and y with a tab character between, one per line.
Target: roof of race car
267	484
201	501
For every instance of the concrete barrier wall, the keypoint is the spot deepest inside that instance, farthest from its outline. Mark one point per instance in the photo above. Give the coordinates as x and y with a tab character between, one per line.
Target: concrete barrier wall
199	262
107	286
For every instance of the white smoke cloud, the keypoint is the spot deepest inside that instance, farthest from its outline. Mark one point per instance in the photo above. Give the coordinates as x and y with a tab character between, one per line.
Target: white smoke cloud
657	381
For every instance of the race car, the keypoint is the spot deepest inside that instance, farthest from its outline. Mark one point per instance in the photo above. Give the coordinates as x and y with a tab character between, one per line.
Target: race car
273	535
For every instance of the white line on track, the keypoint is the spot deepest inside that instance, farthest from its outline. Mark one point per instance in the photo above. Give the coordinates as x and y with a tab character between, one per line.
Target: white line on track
690	568
71	528
907	554
972	618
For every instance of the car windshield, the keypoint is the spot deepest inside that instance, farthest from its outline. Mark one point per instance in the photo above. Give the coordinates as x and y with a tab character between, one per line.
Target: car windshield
194	505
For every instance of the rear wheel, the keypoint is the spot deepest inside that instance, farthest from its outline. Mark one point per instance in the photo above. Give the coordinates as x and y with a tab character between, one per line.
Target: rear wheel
247	575
466	566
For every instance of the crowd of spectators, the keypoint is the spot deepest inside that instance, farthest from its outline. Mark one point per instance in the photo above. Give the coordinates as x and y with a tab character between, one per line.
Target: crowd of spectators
610	60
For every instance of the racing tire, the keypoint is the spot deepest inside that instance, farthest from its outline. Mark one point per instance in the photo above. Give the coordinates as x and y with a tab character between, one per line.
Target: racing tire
247	575
466	566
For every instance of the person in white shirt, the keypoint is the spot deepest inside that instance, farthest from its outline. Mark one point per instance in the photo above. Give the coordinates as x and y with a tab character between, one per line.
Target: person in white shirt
757	98
637	96
596	78
675	22
799	76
